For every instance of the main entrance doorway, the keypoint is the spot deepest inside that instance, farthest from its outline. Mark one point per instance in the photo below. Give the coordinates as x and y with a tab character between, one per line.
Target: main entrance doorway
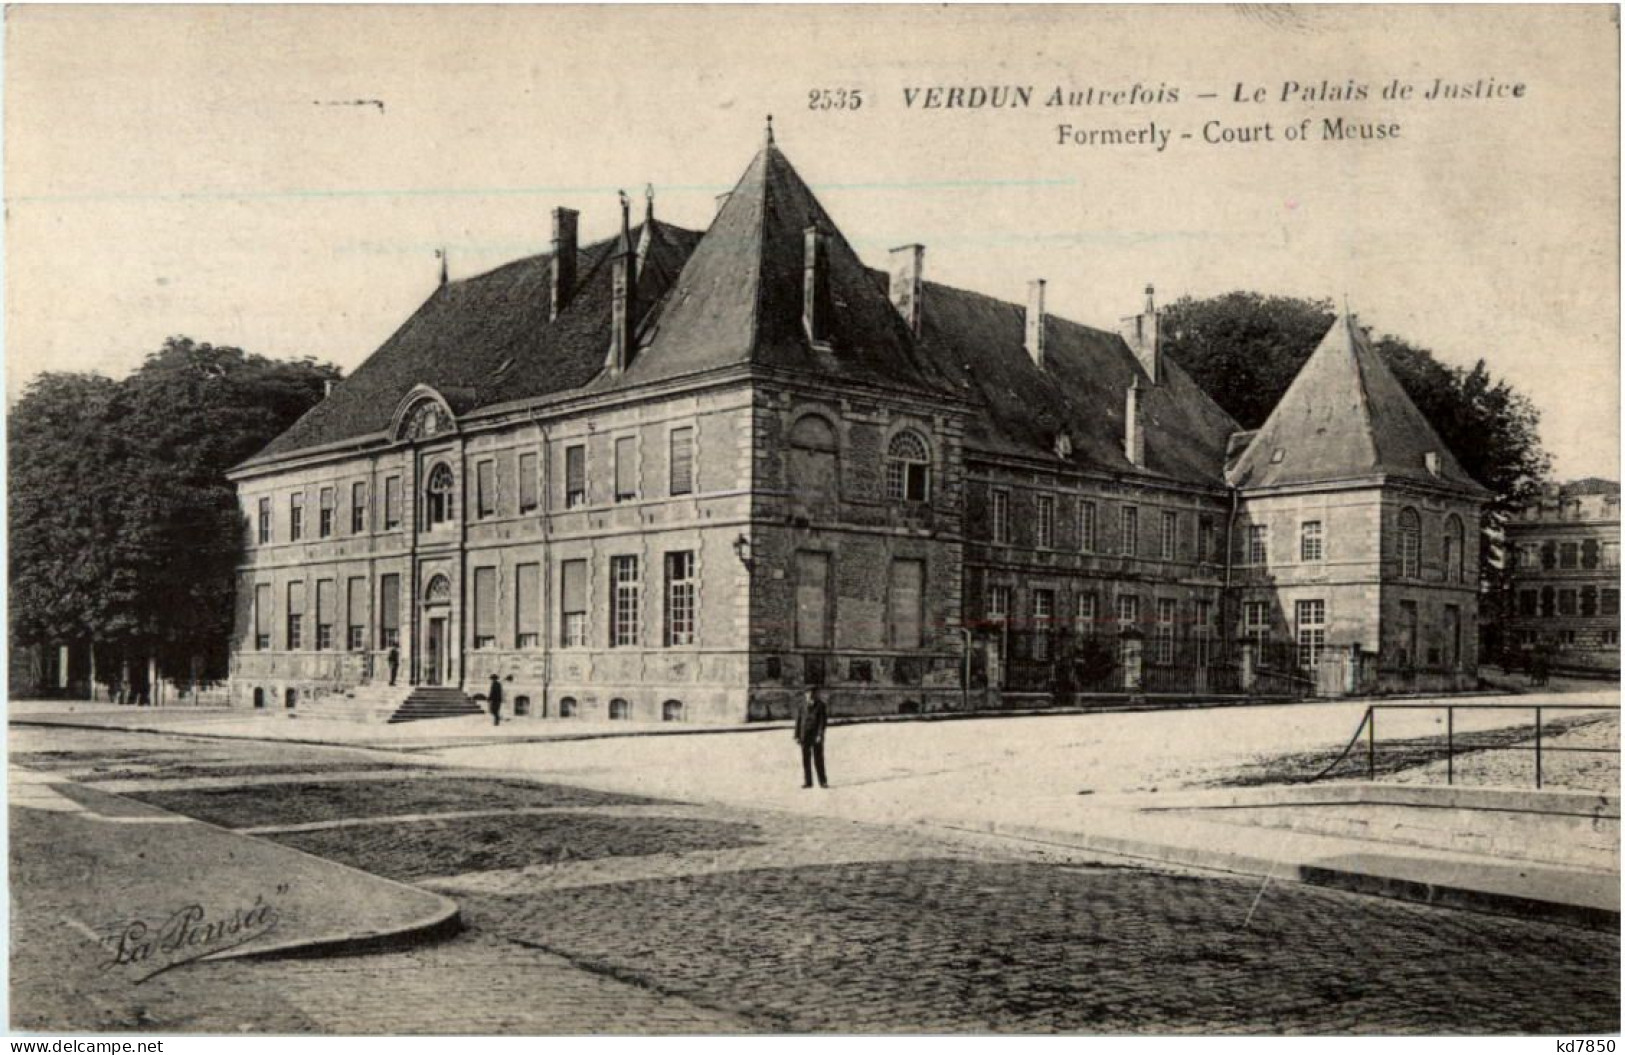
437	642
434	655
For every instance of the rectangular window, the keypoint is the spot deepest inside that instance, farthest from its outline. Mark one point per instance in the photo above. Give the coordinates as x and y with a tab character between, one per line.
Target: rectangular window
355	614
1528	602
812	600
296	616
1311	546
1202	632
389	611
573	603
485	608
1170	535
1610	554
265	520
905	597
1610	600
262	617
1088	613
1001	516
1207	540
1311	632
1128	610
296	517
1043	622
527	606
680	598
1567	602
575	476
1258	544
1046	521
1610	636
998	604
682	461
324	523
528	482
1128	543
326	597
1256	624
358	508
1407	634
485	488
626	468
1167	609
1568	555
1086	527
624	593
392	502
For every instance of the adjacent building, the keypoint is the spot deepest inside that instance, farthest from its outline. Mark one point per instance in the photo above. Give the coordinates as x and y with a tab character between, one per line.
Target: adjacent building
1564	590
683	475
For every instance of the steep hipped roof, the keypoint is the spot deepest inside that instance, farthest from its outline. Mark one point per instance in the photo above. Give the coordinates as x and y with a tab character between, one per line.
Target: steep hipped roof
739	297
1345	416
980	343
487	339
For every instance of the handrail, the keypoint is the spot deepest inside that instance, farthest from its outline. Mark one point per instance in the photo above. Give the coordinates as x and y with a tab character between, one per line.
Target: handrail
1368	727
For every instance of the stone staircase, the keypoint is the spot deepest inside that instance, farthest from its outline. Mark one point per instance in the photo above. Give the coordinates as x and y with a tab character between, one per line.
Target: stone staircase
395	704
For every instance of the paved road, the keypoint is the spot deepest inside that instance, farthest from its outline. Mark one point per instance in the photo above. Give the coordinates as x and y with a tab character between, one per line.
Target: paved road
594	910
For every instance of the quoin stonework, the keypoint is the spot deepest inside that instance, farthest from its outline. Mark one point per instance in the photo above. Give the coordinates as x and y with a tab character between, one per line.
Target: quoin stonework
681	475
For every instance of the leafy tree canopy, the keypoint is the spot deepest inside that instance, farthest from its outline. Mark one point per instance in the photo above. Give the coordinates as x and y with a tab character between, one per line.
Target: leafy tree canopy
124	529
1244	349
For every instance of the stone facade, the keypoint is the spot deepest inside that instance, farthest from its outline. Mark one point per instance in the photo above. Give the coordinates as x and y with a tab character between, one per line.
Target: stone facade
1563	596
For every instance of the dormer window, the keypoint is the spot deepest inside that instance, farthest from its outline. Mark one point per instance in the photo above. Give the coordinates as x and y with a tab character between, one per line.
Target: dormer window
908	468
439	502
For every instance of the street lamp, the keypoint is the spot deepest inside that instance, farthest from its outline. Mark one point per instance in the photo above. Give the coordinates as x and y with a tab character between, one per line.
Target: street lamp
742	551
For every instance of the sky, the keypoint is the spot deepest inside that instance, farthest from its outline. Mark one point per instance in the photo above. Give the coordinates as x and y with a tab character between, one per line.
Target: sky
280	178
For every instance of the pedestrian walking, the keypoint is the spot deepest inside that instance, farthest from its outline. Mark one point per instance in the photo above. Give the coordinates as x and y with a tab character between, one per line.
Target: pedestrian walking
394	662
812	718
494	697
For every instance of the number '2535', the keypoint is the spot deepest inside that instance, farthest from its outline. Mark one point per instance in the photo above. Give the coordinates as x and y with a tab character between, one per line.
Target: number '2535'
835	99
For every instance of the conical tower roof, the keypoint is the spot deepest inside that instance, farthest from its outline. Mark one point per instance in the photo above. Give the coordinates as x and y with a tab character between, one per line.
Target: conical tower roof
1344	417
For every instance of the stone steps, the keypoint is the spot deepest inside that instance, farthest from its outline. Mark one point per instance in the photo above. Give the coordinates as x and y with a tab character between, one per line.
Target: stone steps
434	701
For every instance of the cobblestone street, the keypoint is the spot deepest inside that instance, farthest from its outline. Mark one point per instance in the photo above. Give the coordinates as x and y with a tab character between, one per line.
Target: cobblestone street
588	911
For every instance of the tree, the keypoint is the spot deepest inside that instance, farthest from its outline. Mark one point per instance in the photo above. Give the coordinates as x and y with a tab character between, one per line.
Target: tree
1244	349
125	532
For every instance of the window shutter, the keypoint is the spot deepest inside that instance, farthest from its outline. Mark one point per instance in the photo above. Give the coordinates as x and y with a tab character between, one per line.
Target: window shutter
357	608
573	576
485	602
907	580
326	595
527	588
296	598
389	600
626	477
682	461
527	481
262	609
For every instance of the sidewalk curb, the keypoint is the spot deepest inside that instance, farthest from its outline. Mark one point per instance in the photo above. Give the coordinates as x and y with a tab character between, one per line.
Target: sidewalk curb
1445	895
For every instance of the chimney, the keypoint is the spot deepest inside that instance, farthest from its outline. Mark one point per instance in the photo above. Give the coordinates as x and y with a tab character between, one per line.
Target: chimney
1134	424
815	299
1139	332
646	236
1035	321
563	277
908	283
327	388
624	308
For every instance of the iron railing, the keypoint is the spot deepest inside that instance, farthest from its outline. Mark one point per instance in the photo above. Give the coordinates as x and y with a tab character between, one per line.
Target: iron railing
1367	730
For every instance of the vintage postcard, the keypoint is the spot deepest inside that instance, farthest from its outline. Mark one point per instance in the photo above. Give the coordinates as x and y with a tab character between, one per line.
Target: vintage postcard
712	520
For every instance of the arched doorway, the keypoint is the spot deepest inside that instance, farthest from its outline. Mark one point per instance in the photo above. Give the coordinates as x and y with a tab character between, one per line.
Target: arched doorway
436	630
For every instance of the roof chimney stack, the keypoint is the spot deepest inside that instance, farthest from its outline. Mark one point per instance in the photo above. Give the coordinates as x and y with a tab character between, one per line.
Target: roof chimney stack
562	279
623	310
1134	423
646	236
908	283
1035	321
1140	333
815	299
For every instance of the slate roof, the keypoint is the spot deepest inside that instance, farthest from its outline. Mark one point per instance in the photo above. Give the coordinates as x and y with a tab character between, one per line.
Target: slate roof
487	339
1345	416
738	299
980	343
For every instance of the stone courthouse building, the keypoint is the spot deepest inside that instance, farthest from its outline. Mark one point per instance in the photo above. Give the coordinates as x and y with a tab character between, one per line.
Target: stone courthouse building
681	475
1564	588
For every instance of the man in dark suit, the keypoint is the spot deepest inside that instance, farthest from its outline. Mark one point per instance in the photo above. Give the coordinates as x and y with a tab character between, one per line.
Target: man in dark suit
812	718
494	697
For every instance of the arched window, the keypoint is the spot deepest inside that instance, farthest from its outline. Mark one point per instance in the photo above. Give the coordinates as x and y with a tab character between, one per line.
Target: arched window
1410	544
671	711
619	710
259	699
521	706
438	498
567	707
438	590
1455	545
908	468
290	697
814	453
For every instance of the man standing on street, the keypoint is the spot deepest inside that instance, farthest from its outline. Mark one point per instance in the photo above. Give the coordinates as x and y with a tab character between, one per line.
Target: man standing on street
495	698
812	718
394	662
